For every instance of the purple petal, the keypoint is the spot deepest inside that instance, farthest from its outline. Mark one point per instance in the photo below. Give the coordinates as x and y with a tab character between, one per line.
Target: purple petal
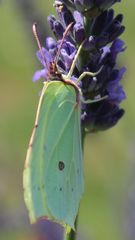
121	73
106	50
40	74
67	58
117	47
50	43
68	52
78	17
115	90
79	32
47	57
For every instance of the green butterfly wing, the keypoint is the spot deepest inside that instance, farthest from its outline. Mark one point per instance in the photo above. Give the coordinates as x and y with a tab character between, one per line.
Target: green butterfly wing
53	175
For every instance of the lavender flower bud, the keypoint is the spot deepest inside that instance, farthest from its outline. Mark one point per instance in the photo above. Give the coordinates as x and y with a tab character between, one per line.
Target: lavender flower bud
79	33
56	27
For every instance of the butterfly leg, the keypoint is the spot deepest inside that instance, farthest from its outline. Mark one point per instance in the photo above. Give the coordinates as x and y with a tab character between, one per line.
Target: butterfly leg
91	74
94	100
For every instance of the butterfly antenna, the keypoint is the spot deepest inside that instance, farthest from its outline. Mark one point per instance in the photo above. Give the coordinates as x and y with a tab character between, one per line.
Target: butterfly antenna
62	41
34	28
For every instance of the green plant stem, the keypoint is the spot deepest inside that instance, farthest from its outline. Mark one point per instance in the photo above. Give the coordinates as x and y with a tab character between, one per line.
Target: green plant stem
72	234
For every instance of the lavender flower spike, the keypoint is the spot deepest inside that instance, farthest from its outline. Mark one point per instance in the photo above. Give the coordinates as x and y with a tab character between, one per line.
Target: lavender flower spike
96	25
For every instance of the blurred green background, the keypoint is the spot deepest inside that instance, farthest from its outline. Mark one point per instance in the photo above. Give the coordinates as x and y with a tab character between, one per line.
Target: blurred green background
108	207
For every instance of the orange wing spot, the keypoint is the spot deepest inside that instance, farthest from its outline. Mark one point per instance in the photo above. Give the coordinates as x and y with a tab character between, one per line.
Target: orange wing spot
30	145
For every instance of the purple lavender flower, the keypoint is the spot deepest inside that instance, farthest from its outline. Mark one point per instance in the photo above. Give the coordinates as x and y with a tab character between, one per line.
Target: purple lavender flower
99	29
89	8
